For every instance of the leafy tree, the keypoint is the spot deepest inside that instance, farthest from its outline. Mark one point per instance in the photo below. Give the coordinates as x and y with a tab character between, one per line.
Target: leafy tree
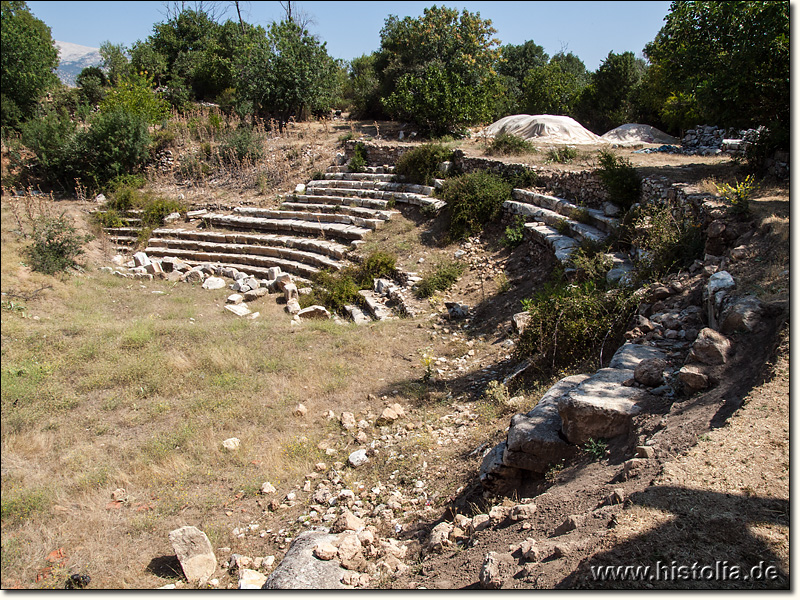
516	61
551	89
288	72
363	87
607	102
134	94
115	61
438	70
729	59
91	81
29	60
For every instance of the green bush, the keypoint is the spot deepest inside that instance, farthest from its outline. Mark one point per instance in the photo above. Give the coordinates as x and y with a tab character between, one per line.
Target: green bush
738	197
154	211
623	183
56	244
474	200
440	279
117	143
334	290
109	218
54	140
562	155
240	144
523	179
514	233
506	144
376	265
667	239
574	325
358	163
421	164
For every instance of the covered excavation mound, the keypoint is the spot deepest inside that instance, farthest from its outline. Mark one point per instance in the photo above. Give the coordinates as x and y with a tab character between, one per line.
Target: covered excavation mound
544	128
635	133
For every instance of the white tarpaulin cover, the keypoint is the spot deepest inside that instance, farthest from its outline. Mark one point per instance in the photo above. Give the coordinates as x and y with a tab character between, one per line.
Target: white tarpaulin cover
545	128
634	133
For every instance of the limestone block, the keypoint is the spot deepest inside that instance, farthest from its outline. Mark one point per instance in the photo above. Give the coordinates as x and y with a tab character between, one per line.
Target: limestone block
600	407
194	552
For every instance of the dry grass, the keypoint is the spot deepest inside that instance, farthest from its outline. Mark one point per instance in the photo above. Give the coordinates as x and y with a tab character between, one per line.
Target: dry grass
109	385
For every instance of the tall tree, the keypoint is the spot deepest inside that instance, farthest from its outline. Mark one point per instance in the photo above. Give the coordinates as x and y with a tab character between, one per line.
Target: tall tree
438	70
29	59
607	102
731	59
287	73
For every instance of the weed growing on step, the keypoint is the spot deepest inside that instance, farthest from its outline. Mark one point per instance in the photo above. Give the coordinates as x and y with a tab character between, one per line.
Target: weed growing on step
475	200
506	144
358	163
514	233
623	183
421	164
444	275
581	215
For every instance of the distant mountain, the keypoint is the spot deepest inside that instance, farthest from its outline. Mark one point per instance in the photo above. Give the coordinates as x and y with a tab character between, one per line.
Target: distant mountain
75	58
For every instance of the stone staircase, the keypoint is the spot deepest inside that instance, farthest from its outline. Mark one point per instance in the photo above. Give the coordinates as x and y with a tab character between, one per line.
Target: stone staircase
314	229
562	226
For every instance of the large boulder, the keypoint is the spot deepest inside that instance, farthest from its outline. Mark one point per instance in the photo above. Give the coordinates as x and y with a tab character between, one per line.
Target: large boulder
741	315
533	441
600	407
711	348
301	570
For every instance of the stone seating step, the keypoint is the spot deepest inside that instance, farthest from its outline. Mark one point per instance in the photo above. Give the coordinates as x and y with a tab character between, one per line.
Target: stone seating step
285	225
383	186
534	442
318	217
346	169
356	211
562	245
245	262
319	246
333	197
563	207
577	230
378	310
360	176
310	258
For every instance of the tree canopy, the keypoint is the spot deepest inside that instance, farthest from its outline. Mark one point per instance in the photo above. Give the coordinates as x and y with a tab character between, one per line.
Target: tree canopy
728	61
438	70
29	60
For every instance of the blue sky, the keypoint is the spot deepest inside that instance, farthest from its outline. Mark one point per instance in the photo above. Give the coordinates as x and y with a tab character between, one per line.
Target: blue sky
588	29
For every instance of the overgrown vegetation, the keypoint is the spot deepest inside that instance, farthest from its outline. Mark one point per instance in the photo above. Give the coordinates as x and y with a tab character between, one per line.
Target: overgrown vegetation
506	144
574	325
335	290
565	154
623	183
358	163
474	200
56	244
514	233
667	239
737	196
443	275
421	164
